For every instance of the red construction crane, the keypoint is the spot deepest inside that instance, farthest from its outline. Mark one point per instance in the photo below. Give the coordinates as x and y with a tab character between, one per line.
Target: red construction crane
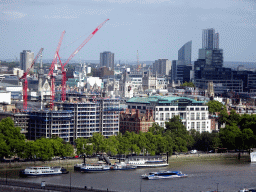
25	83
50	74
64	78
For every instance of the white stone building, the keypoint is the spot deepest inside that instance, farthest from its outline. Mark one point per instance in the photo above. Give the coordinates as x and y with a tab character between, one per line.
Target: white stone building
193	114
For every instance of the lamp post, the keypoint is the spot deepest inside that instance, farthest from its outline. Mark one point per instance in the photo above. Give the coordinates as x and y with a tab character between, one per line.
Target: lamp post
70	181
140	184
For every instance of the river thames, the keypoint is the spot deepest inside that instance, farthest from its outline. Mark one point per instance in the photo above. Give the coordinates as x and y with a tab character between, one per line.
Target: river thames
203	175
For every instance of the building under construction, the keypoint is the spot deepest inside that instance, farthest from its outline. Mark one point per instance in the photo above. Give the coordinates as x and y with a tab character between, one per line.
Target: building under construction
77	119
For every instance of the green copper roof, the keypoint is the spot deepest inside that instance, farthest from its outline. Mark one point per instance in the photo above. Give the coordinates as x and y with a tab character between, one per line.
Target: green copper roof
159	99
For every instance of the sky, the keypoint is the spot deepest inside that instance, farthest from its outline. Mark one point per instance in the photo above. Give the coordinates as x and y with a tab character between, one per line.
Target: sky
157	29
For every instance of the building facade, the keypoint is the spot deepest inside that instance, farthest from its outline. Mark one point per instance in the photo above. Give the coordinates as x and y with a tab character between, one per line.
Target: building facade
162	67
134	121
107	59
26	58
193	114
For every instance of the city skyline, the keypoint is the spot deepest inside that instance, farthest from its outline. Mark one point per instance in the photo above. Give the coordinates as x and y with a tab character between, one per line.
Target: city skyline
156	28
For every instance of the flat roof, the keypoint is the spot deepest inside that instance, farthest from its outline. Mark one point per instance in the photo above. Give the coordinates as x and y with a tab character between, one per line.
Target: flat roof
159	99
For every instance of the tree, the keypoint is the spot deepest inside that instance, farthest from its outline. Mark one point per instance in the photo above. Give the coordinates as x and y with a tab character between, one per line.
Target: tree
156	129
229	136
112	145
80	145
45	150
12	140
31	150
99	142
188	84
215	106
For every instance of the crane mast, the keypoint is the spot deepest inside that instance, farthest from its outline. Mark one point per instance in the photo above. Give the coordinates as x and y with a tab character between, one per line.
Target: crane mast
50	74
25	82
64	78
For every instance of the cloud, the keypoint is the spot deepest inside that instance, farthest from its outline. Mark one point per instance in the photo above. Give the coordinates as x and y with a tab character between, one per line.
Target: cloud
13	15
66	12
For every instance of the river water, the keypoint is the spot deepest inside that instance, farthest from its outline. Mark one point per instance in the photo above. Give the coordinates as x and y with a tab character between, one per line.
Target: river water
224	175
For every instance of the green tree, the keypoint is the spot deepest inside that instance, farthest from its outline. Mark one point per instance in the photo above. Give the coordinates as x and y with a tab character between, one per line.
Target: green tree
45	149
112	145
11	138
31	150
156	129
99	142
188	84
229	136
215	106
80	145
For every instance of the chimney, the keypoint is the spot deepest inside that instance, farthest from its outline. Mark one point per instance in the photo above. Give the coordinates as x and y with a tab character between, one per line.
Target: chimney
137	113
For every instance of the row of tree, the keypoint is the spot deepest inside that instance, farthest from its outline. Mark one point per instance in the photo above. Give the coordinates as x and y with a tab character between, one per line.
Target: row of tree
239	132
13	143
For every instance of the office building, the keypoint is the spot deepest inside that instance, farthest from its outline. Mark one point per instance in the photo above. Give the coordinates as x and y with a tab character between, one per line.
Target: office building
107	59
184	54
180	70
26	59
193	114
210	39
162	67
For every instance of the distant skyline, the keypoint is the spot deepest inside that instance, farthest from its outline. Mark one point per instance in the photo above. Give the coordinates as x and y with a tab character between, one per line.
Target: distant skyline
156	28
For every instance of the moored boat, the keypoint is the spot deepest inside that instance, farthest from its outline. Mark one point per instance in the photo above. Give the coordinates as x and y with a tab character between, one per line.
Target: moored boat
43	171
94	168
77	167
122	166
147	161
164	175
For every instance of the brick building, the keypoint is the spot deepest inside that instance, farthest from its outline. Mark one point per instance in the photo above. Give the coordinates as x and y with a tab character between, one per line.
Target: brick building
134	121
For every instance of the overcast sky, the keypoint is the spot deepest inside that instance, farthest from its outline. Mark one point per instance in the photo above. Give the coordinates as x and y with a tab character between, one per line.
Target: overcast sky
156	28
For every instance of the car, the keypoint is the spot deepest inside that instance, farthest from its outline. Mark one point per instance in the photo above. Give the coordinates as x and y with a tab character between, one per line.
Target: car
194	151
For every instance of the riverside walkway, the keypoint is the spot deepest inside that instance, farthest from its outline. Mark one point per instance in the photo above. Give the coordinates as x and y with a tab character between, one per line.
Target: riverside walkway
15	185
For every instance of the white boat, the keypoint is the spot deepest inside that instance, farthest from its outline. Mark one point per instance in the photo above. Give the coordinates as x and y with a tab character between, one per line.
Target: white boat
77	167
122	166
147	161
42	171
164	175
94	168
253	155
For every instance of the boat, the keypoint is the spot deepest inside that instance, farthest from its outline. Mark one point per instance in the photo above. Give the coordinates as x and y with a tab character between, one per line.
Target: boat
248	190
77	167
43	171
98	167
147	161
122	166
164	175
253	155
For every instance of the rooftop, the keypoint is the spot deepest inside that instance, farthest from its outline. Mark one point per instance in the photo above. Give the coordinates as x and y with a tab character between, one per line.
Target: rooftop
159	99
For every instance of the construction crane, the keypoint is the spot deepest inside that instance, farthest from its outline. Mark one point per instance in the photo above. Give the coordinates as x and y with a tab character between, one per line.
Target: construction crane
25	82
50	74
64	78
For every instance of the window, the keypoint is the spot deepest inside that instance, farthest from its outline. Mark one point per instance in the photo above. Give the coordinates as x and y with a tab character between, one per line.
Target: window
192	116
203	116
191	109
197	109
197	116
161	116
198	126
166	109
202	109
192	125
172	109
167	116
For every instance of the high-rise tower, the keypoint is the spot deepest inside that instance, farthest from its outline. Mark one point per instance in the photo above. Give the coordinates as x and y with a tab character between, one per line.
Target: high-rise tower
107	59
210	39
26	58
